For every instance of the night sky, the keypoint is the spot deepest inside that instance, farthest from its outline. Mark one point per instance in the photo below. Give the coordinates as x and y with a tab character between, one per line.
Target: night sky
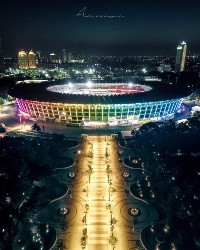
135	27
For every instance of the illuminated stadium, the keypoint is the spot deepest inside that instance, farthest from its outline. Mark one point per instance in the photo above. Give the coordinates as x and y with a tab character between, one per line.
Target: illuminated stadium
98	103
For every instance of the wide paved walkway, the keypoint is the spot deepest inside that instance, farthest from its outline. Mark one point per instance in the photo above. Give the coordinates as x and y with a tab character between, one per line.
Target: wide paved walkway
101	194
98	217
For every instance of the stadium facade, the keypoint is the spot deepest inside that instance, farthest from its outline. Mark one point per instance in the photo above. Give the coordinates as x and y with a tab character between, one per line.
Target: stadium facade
113	104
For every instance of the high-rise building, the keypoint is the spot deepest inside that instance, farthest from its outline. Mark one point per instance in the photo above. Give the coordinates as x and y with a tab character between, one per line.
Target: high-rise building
64	56
22	59
31	60
38	54
53	58
69	57
38	57
180	57
27	60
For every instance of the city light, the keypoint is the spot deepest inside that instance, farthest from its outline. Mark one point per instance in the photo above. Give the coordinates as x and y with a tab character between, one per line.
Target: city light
130	85
70	85
144	70
89	84
91	71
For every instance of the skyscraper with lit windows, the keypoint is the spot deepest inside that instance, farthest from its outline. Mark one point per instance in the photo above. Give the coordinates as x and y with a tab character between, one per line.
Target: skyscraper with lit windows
31	60
27	60
181	57
23	59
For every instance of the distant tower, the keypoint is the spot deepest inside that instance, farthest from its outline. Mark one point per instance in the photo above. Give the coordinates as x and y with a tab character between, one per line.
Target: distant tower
38	57
64	56
39	54
69	57
23	59
53	58
180	57
32	60
1	57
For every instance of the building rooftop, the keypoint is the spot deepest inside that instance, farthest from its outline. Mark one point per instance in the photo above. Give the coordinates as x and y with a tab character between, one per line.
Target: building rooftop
38	92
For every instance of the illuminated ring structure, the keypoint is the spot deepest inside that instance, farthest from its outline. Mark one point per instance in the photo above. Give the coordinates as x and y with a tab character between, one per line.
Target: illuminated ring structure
108	103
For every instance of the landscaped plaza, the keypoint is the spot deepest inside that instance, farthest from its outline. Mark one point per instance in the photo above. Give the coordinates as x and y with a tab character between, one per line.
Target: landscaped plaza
98	211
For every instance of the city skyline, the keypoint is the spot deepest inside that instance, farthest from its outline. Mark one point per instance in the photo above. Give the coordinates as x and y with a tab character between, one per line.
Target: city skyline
112	28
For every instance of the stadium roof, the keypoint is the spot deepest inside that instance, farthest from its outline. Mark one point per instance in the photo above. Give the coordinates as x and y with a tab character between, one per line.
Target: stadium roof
38	92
